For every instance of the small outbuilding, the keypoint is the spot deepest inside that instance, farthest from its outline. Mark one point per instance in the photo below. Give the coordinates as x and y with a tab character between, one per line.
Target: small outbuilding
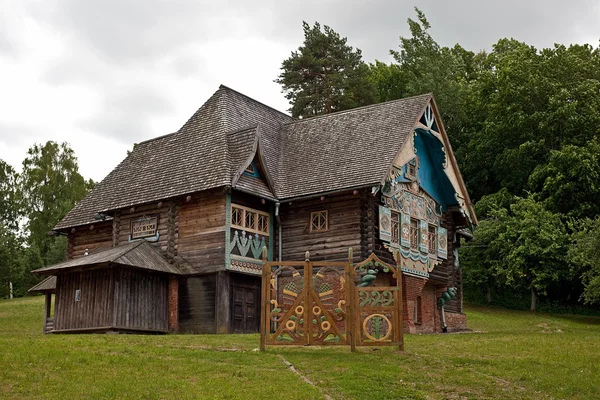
119	289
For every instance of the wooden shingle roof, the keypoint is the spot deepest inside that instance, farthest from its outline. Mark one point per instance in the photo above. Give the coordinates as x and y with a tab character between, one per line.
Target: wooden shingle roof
347	149
47	285
139	254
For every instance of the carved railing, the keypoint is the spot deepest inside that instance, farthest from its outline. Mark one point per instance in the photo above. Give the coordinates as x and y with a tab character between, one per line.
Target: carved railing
245	251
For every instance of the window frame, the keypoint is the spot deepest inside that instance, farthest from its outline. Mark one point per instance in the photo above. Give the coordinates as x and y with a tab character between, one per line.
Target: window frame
325	214
396	220
432	239
257	214
414	234
412	163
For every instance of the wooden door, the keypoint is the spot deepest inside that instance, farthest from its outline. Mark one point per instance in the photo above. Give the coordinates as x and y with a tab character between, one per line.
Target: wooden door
245	313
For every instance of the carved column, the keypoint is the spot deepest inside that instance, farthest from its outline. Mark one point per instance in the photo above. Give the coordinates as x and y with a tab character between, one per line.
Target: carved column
116	227
172	230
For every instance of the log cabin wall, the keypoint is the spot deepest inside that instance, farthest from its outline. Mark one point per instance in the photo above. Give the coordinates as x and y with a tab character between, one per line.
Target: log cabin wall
93	309
370	241
141	300
343	231
91	237
201	232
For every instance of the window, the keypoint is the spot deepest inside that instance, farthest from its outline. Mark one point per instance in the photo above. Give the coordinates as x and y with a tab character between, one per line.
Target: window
432	240
250	169
249	220
411	168
395	228
318	221
418	312
414	234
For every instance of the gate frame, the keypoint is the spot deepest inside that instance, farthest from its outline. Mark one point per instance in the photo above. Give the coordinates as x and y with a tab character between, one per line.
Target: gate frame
353	310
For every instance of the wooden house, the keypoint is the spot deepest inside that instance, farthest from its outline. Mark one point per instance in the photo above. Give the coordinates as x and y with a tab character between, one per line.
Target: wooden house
171	239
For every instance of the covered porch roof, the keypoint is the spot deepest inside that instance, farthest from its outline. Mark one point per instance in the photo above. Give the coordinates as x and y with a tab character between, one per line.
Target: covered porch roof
48	285
139	254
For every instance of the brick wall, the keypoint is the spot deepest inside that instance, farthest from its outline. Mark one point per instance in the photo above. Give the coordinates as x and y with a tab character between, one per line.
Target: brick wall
173	304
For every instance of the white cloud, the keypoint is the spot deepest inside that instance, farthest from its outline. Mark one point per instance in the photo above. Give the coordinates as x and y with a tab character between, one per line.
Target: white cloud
102	75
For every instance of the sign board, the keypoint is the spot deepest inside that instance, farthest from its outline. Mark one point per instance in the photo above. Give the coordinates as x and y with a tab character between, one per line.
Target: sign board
145	226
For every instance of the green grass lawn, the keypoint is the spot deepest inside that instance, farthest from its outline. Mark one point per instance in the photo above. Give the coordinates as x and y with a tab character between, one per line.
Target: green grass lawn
510	355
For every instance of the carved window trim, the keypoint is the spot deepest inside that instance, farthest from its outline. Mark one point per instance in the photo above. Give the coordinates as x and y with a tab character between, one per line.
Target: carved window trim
396	228
414	234
319	221
412	168
250	220
432	236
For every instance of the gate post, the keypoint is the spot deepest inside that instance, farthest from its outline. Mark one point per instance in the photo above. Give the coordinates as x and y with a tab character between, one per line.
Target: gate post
351	300
401	300
264	296
308	298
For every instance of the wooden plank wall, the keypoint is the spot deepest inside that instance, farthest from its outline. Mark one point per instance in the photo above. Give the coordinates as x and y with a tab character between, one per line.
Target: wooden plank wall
95	307
141	300
126	217
100	237
201	237
332	245
197	306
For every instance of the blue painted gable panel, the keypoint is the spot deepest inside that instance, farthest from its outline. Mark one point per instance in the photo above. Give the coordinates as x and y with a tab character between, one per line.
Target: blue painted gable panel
432	177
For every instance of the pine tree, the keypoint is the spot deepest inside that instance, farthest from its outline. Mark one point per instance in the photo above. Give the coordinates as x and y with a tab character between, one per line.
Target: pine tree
325	75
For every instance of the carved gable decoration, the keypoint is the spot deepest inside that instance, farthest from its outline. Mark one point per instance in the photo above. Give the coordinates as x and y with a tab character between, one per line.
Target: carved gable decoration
413	202
428	119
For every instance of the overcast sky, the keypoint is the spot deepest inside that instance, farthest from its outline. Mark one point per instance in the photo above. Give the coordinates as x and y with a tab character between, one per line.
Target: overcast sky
103	75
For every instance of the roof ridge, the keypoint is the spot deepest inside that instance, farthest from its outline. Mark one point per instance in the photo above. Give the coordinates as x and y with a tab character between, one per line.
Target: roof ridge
156	138
221	86
126	250
361	108
250	128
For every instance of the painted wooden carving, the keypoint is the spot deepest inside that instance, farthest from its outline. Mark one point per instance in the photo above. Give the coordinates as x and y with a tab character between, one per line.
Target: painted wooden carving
442	250
385	224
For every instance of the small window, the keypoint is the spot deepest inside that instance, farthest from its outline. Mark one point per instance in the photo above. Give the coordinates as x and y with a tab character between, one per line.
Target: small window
249	220
250	169
432	240
414	234
411	168
318	221
418	311
395	228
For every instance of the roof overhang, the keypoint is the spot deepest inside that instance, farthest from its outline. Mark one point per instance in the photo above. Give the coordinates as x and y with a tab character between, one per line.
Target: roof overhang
140	255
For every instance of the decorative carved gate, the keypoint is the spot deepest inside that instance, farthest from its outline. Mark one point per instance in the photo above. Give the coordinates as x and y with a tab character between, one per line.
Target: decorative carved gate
331	303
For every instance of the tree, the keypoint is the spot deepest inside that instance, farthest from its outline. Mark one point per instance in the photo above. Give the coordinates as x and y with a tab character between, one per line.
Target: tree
11	269
535	245
482	258
584	257
428	67
9	206
570	182
325	75
51	186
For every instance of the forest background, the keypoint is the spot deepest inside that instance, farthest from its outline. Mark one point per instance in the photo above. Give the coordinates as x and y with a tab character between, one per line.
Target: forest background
523	124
